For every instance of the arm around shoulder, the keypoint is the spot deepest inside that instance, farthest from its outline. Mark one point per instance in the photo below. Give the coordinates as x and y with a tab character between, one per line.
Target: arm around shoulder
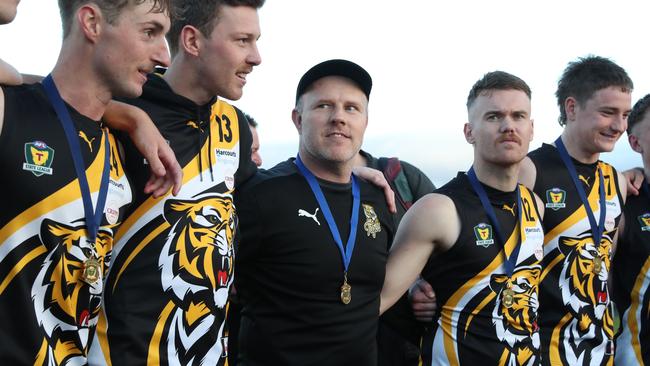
431	225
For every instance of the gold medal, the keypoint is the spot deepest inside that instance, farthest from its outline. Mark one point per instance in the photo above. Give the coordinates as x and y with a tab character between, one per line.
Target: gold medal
508	297
598	265
346	291
92	271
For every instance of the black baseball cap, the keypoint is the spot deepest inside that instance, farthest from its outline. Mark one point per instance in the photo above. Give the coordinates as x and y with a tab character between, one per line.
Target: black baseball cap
337	67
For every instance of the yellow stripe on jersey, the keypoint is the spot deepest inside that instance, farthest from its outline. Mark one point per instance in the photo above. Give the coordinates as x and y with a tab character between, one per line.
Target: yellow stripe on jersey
454	299
35	253
478	309
633	322
153	234
153	356
191	169
65	195
553	263
581	213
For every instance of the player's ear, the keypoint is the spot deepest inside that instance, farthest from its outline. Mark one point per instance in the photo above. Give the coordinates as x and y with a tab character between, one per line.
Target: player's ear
190	40
570	106
467	131
634	143
296	117
532	129
89	17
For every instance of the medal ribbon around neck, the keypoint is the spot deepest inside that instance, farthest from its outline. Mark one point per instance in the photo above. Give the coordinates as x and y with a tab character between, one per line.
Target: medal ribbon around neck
597	229
509	262
93	219
346	254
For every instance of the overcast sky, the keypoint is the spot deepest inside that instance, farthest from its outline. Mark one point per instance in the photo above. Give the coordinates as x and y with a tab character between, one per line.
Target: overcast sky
423	56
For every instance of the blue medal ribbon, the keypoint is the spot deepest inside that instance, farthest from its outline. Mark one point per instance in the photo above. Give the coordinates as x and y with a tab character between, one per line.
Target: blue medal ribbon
93	219
510	262
346	253
597	229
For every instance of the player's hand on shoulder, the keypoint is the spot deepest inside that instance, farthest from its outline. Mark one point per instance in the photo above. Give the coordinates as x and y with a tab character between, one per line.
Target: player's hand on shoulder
633	180
377	178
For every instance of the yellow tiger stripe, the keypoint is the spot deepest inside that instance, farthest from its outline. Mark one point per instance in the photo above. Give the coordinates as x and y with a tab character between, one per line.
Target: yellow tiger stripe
154	233
40	357
63	196
504	357
554	349
633	322
34	253
102	336
153	356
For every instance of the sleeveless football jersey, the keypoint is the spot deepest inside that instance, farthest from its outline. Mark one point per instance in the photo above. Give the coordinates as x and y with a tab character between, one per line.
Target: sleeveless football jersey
576	319
48	314
474	326
631	283
166	296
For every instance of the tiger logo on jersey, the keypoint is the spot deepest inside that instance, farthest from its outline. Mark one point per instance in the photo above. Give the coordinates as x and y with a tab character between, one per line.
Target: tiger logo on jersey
583	283
516	325
66	307
196	267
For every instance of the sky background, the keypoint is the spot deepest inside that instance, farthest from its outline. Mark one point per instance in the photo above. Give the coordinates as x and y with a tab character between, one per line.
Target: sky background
424	56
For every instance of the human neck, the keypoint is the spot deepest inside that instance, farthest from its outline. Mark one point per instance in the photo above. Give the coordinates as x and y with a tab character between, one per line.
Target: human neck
503	178
573	146
80	86
359	160
186	81
330	171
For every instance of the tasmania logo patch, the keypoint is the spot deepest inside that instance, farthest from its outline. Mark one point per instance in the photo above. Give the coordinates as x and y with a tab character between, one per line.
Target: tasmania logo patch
644	220
555	198
483	233
38	158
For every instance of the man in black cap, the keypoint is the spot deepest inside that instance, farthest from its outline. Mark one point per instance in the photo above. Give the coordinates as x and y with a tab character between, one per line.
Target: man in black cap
313	250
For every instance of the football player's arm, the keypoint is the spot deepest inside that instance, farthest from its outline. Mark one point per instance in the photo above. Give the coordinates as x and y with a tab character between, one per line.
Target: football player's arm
527	173
377	178
432	224
166	173
623	185
633	178
9	75
619	231
540	206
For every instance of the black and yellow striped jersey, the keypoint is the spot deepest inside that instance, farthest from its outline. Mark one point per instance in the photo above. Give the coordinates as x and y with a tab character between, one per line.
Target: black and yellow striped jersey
166	296
48	315
631	283
474	325
576	324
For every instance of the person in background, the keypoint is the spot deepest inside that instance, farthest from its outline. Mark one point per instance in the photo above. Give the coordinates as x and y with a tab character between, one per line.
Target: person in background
630	269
